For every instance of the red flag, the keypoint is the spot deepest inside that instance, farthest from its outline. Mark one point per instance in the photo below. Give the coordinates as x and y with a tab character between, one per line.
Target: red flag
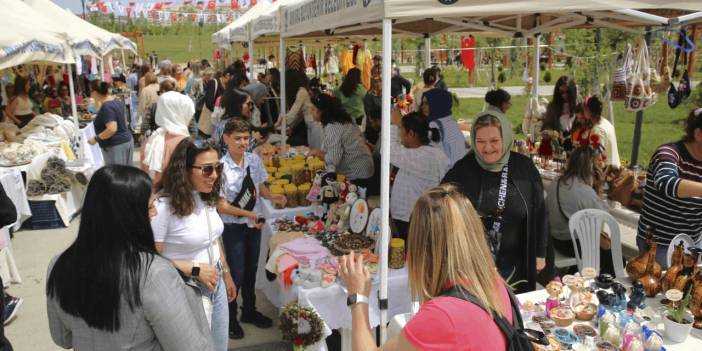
187	2
167	3
103	8
174	17
158	6
193	17
253	2
235	4
131	4
129	12
211	5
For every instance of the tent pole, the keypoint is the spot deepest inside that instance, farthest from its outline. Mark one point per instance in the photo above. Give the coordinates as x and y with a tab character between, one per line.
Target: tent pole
251	56
385	178
537	54
639	121
71	89
427	50
283	102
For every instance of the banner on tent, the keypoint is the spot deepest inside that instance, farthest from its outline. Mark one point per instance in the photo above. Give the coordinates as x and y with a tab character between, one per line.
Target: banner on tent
264	26
321	14
30	47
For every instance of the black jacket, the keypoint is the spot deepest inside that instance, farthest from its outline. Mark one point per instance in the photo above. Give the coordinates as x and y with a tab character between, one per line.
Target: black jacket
8	212
399	85
466	173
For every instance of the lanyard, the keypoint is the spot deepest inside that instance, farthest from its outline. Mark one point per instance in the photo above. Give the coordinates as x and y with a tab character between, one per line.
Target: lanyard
494	234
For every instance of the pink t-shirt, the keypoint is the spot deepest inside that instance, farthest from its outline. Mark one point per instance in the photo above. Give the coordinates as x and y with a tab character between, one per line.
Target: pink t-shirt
451	324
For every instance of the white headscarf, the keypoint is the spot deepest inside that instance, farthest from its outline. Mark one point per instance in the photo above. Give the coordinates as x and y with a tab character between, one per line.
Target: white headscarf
173	114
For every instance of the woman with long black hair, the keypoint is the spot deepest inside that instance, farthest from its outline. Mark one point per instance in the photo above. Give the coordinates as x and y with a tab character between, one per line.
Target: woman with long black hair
350	93
560	112
111	290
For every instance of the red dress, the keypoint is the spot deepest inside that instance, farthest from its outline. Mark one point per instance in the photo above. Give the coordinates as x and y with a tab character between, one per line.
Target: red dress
468	52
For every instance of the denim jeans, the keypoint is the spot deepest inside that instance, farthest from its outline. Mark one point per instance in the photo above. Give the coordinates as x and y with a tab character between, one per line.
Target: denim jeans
661	251
220	315
242	245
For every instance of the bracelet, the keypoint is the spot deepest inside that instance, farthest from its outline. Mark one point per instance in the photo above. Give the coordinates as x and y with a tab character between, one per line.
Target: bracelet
225	270
97	138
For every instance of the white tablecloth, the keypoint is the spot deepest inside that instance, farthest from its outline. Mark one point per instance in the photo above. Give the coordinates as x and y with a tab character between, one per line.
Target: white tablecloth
693	342
12	182
330	303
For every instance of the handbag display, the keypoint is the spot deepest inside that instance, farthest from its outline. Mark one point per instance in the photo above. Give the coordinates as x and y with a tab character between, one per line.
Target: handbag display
620	76
639	93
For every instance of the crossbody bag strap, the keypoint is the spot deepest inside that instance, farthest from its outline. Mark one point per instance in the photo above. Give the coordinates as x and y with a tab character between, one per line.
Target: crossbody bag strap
210	254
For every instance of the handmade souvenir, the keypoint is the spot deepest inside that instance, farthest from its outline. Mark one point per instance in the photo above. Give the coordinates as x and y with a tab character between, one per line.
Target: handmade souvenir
637	267
613	334
619	302
554	289
563	316
566	338
696	303
649	280
652	339
553	345
353	242
606	346
637	298
585	311
606	299
604	281
686	274
676	266
578	294
584	330
359	212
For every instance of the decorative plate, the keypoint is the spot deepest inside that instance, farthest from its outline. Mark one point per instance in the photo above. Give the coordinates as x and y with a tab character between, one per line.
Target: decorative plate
359	216
374	223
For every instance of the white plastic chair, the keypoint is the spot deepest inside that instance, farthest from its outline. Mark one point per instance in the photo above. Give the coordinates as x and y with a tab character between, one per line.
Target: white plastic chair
585	226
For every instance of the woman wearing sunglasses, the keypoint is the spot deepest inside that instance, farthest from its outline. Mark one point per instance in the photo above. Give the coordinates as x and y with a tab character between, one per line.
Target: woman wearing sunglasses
187	228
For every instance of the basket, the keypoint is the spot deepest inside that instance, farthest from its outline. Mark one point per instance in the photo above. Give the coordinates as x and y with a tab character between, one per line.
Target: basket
44	215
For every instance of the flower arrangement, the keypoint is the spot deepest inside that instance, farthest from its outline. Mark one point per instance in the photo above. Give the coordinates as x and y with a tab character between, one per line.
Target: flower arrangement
301	326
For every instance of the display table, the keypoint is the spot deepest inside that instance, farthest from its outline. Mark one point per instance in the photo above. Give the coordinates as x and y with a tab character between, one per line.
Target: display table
330	303
693	342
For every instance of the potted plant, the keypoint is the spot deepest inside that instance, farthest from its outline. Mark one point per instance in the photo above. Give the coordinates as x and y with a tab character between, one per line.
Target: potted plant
678	320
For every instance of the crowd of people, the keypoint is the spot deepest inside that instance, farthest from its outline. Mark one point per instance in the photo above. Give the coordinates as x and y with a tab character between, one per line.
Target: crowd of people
473	212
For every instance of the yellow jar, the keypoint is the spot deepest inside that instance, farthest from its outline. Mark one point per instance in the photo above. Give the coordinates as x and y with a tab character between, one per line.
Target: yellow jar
397	253
284	169
297	171
299	157
268	162
302	192
291	194
271	170
277	189
281	182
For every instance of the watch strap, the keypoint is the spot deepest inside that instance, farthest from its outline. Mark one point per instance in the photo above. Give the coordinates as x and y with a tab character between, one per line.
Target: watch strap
195	270
356	299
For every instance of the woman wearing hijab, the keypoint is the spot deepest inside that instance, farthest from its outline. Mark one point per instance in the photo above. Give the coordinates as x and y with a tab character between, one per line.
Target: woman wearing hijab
506	189
173	114
436	106
258	92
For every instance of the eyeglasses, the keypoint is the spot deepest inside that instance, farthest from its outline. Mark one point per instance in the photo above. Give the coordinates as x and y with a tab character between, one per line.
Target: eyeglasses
208	169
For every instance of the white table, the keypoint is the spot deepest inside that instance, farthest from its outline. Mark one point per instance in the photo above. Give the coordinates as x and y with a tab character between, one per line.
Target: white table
693	342
330	303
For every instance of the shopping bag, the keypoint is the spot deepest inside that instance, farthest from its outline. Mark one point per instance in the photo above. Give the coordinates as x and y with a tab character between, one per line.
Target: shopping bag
620	76
639	93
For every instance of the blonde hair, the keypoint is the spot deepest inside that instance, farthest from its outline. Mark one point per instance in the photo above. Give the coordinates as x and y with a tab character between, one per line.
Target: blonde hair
446	246
488	121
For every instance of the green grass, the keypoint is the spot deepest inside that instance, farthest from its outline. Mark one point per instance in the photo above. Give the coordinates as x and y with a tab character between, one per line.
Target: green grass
661	123
455	77
180	48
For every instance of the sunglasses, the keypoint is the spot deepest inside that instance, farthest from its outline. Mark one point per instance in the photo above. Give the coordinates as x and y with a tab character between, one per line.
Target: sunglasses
209	169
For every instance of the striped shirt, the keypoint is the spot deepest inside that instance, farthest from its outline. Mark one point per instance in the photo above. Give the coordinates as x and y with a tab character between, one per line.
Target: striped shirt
346	151
420	169
452	140
663	210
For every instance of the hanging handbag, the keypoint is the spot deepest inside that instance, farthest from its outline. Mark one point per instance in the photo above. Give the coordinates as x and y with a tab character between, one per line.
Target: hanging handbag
205	122
639	93
620	75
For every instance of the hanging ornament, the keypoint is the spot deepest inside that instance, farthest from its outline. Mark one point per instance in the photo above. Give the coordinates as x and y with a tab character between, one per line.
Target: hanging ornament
211	5
235	4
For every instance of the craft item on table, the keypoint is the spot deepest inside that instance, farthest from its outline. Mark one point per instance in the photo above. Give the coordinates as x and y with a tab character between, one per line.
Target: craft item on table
301	326
563	316
613	334
553	345
637	298
329	273
607	299
565	337
353	242
307	250
637	267
584	330
547	326
632	343
8	132
578	294
307	277
605	320
342	212
606	346
689	268
55	179
585	311
604	281
651	282
653	341
554	289
282	238
546	147
358	215
619	300
696	302
676	266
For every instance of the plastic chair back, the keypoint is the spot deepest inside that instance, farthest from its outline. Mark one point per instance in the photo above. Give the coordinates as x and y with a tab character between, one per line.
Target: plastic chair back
585	226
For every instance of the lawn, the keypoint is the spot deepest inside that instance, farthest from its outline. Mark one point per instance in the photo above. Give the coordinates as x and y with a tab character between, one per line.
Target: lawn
180	48
458	77
661	123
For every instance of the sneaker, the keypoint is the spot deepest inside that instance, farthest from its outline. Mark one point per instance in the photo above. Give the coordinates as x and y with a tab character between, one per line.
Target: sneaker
235	331
257	319
11	309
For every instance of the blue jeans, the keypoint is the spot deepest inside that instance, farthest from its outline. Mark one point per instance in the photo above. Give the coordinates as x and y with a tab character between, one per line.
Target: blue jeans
661	251
220	315
242	245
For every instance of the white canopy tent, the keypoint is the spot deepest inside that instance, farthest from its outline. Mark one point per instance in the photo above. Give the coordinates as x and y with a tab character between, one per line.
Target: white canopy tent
88	39
238	30
518	18
25	38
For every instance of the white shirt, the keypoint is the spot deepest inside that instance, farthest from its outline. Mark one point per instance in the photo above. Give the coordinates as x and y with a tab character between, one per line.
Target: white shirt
420	169
233	178
566	122
608	137
186	238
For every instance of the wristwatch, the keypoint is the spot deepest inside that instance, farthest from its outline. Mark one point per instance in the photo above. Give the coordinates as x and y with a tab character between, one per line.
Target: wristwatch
356	298
196	270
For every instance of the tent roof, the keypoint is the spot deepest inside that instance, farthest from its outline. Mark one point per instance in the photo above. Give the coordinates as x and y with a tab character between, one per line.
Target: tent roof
88	39
359	17
238	30
27	38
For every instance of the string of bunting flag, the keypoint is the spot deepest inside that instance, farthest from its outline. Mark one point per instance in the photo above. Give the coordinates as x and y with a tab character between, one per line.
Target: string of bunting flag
211	11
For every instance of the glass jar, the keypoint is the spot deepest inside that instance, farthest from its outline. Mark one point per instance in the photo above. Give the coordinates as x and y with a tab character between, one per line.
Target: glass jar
397	253
297	170
278	190
291	194
302	192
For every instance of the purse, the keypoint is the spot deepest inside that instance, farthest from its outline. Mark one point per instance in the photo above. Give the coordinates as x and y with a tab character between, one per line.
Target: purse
620	75
205	122
639	93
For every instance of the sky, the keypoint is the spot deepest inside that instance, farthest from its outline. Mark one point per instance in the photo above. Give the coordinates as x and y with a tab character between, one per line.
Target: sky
73	5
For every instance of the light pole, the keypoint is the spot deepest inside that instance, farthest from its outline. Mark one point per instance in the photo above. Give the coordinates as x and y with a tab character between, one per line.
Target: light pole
82	2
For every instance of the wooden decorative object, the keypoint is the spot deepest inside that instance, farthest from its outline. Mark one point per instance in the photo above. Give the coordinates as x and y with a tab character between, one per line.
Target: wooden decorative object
676	266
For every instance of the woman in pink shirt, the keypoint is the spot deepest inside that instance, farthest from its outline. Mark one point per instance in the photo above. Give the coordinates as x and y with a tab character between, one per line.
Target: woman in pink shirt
446	248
